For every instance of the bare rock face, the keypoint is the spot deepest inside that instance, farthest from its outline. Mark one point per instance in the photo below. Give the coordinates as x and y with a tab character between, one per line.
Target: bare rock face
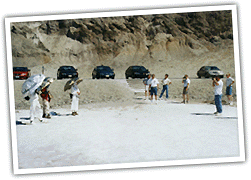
155	41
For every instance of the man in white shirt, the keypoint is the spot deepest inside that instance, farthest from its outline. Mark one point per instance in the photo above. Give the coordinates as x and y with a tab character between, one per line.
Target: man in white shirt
230	82
154	87
147	82
186	82
166	82
218	85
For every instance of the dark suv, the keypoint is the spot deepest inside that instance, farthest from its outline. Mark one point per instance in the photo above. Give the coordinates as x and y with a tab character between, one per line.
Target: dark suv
210	71
21	73
103	72
136	72
66	72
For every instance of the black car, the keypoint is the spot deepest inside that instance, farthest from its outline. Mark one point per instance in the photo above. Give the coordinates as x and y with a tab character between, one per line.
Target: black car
210	71
66	72
136	72
100	72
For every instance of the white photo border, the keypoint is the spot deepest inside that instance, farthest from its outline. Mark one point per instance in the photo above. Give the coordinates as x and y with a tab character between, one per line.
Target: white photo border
241	158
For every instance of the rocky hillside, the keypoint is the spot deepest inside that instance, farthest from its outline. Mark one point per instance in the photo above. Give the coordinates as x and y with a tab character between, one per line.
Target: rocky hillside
173	43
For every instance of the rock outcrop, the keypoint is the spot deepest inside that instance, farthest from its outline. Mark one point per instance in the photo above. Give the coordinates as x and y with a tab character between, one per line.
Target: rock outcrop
166	41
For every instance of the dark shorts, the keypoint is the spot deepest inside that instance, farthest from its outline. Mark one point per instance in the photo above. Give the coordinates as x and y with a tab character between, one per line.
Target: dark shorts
154	90
185	91
229	90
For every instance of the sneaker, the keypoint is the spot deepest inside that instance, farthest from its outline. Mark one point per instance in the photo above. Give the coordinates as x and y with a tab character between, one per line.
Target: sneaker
183	102
231	103
218	114
215	112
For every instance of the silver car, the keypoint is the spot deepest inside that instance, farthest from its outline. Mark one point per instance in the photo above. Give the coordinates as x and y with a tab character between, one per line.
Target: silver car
210	71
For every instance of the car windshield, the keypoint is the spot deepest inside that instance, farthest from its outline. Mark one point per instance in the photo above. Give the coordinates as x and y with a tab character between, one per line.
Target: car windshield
20	69
139	68
68	68
214	68
104	68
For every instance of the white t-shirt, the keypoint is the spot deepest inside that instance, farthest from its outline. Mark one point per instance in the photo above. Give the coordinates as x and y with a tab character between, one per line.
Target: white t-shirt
74	89
229	81
166	81
154	82
218	89
186	82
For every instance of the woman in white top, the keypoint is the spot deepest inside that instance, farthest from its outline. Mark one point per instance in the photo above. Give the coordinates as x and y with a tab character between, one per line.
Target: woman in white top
75	98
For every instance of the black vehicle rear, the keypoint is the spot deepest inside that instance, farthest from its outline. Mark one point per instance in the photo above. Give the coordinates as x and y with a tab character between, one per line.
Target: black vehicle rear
66	72
101	72
136	72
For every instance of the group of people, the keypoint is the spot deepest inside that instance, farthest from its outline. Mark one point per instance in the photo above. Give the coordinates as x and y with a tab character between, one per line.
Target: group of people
152	86
46	98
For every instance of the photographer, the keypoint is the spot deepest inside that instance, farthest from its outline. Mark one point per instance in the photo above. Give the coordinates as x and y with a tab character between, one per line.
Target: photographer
218	85
186	82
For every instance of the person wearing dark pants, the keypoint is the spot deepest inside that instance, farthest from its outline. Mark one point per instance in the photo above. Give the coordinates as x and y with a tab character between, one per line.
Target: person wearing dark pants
186	82
218	85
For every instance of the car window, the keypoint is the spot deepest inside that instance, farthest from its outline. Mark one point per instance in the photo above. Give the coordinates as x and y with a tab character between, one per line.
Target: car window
20	69
207	68
106	68
68	68
214	68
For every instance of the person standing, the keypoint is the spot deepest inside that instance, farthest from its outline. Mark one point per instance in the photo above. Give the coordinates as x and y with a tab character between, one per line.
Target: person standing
218	85
35	108
75	98
166	82
146	82
186	82
46	97
154	85
230	82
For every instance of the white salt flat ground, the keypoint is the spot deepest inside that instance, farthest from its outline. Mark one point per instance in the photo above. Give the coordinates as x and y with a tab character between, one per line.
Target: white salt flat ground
139	133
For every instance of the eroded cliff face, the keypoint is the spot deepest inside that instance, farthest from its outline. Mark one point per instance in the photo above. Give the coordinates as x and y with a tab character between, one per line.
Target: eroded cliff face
159	42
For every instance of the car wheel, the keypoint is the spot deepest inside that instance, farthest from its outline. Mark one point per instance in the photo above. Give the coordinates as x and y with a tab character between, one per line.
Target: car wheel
199	76
127	77
93	77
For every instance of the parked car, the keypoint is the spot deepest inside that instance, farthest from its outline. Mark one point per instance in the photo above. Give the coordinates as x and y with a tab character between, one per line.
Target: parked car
136	72
21	73
66	72
103	72
210	71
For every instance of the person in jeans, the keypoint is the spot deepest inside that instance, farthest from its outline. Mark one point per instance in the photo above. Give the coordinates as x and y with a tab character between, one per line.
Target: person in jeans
186	82
166	82
154	87
218	85
230	82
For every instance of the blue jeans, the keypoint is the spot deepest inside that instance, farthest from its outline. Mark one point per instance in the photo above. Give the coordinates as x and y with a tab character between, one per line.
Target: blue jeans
218	104
165	88
154	91
229	90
